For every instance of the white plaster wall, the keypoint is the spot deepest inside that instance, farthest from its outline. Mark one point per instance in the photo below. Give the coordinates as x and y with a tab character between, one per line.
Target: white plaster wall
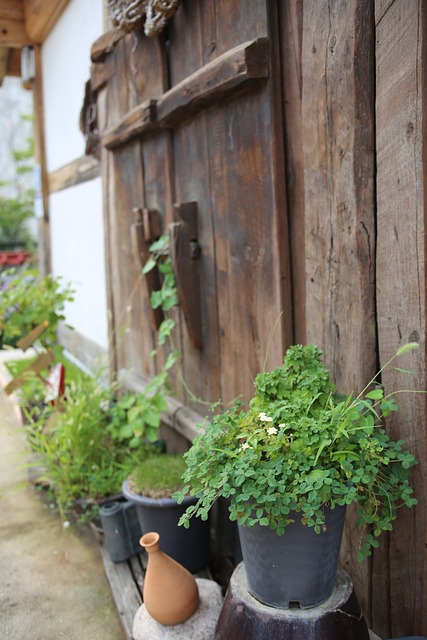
65	68
76	222
77	247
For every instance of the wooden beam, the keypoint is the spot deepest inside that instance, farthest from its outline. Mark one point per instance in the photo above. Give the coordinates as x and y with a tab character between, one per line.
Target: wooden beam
14	63
12	24
238	68
4	62
41	16
76	172
136	122
40	158
12	10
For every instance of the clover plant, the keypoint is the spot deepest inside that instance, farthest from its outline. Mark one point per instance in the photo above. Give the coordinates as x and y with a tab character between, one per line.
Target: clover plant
298	447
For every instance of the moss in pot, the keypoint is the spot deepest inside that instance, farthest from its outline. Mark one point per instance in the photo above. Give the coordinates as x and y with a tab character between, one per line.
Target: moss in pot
150	488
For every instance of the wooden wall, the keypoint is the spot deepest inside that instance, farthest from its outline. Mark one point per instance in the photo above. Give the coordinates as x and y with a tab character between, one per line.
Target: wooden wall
297	127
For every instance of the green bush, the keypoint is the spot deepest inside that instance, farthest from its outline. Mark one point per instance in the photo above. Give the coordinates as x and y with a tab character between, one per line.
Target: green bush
28	300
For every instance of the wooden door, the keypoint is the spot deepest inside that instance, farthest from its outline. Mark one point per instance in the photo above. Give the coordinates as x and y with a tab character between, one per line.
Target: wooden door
291	134
190	122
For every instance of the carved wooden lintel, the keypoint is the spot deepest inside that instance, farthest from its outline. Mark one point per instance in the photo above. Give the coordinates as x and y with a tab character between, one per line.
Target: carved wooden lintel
186	263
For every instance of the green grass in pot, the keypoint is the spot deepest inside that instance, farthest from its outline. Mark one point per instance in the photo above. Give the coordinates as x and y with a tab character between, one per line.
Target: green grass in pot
298	447
159	476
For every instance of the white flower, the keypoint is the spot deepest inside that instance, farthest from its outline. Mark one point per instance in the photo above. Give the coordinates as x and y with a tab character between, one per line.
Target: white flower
264	417
244	446
282	425
272	431
66	524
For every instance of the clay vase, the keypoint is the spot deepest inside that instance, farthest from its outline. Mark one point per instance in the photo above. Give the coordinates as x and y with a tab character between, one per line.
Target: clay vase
170	593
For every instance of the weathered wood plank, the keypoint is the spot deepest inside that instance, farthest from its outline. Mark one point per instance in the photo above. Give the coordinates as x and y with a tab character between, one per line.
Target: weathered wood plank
400	565
138	573
105	44
338	148
101	72
290	25
140	120
76	172
247	233
4	62
125	592
190	161
185	251
239	68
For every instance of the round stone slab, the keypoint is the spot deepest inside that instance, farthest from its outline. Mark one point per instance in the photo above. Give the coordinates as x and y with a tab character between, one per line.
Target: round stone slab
245	618
201	625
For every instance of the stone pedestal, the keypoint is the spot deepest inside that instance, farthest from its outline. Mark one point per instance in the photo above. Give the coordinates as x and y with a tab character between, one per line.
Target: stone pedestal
201	625
245	618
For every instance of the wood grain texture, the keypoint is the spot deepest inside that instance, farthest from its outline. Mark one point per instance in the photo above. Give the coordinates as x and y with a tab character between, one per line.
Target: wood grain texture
290	25
44	254
40	17
338	100
124	589
400	565
13	33
338	155
284	181
105	44
239	68
76	172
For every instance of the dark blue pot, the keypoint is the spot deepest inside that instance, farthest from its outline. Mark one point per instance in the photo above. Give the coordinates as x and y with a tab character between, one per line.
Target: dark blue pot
122	530
299	567
189	547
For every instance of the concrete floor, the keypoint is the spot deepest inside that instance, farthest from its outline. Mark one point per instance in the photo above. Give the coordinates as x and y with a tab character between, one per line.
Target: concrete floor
52	581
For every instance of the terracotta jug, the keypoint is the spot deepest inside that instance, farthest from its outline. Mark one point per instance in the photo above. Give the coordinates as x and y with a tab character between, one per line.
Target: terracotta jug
171	594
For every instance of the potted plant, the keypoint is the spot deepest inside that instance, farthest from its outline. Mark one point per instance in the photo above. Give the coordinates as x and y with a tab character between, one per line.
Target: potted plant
151	487
85	456
290	464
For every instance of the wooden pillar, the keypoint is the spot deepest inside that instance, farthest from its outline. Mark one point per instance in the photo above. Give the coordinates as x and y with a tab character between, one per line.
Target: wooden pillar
399	576
40	159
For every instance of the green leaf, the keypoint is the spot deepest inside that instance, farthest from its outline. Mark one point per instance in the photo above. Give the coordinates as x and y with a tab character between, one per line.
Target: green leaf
149	265
133	414
152	418
376	394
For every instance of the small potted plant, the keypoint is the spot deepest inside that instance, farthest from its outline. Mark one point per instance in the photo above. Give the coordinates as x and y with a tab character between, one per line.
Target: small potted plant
289	465
151	487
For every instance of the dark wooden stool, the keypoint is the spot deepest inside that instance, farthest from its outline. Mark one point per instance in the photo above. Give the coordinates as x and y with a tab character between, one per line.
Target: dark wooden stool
245	618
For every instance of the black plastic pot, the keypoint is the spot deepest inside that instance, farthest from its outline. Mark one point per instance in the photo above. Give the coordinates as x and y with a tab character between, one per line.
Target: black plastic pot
121	528
189	547
298	567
